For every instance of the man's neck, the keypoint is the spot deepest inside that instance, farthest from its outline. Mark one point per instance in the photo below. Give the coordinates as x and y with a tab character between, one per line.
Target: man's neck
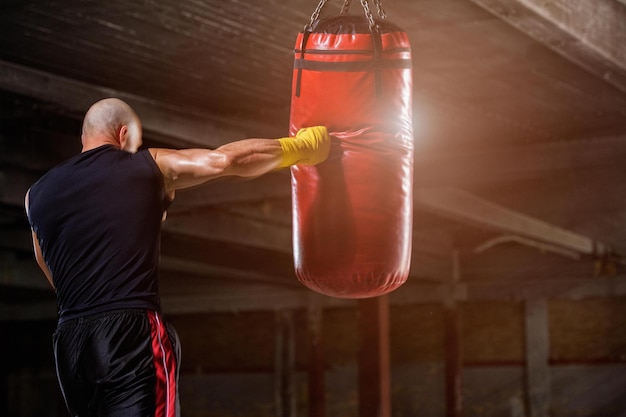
96	142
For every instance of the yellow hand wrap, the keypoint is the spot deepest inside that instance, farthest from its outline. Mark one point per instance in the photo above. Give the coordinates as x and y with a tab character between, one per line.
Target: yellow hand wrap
310	146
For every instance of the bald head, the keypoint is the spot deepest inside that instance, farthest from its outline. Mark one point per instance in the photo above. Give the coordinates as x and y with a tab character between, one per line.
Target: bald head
111	121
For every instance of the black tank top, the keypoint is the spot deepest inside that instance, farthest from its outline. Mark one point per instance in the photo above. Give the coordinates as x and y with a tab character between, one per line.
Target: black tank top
98	219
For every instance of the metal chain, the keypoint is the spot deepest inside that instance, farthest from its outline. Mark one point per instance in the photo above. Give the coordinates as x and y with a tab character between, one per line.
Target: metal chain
368	14
381	11
316	12
346	7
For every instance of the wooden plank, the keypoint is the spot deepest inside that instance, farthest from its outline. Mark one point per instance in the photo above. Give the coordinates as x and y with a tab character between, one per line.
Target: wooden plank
228	255
285	390
183	296
474	211
279	364
537	355
317	363
233	190
172	270
223	226
453	361
515	263
453	342
554	288
374	367
599	25
179	127
250	297
589	33
518	163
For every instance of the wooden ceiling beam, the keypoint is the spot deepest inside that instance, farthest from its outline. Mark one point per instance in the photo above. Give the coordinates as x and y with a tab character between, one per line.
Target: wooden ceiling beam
529	162
500	166
233	190
173	125
229	255
590	33
518	163
226	227
183	276
466	208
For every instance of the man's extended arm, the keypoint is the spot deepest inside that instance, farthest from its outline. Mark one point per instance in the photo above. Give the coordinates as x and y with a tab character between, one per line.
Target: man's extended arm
246	158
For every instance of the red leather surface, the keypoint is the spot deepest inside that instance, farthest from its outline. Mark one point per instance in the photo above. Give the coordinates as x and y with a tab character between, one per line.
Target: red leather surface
352	215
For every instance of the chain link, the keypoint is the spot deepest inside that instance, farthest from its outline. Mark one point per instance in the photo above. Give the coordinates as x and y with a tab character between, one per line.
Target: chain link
346	7
316	12
368	14
379	8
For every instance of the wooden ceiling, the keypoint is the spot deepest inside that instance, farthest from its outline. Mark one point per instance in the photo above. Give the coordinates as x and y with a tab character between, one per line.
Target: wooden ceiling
519	124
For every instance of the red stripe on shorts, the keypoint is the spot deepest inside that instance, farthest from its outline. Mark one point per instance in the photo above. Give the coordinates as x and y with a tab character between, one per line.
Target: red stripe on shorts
165	366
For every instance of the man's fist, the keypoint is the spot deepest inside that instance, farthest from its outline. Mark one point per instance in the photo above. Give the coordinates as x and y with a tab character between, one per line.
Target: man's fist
310	146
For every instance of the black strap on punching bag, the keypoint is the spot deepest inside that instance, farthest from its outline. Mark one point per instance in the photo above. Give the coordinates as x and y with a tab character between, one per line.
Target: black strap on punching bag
373	27
376	40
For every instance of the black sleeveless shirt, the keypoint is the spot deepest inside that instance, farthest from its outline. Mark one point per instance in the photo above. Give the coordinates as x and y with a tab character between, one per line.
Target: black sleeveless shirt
98	220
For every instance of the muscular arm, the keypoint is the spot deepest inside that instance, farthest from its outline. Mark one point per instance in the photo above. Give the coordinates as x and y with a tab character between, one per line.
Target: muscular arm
37	249
245	158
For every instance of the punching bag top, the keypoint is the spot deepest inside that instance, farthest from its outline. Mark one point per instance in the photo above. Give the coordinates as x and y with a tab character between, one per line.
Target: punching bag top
349	43
344	24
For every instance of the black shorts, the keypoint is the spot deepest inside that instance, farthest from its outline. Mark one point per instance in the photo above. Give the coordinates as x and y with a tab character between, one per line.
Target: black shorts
121	363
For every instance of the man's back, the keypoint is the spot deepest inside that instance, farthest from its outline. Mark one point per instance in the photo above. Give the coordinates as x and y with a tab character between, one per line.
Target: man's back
97	218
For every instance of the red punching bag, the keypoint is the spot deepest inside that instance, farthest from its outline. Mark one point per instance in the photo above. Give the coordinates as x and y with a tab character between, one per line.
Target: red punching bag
352	214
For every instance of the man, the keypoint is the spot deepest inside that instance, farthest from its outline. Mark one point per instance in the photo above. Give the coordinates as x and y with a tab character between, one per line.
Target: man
96	222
